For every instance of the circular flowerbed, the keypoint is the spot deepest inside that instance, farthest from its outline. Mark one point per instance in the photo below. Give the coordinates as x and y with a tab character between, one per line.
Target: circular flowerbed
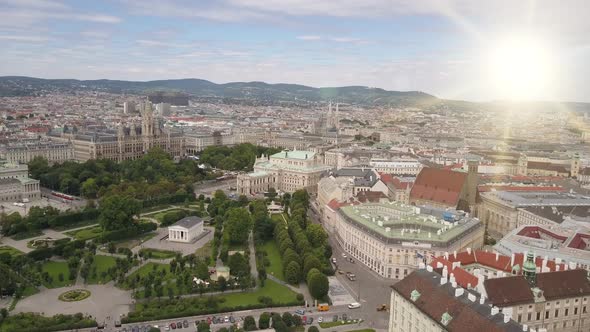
74	295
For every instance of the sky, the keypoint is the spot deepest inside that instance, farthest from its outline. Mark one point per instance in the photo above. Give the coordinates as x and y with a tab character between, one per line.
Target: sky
444	47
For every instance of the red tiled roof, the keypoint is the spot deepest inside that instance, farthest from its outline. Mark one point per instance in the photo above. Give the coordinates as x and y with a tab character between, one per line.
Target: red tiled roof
370	196
509	291
533	232
438	185
563	284
580	241
434	302
546	166
462	277
488	259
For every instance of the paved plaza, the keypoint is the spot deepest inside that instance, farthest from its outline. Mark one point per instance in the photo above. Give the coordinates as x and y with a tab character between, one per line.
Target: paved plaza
106	300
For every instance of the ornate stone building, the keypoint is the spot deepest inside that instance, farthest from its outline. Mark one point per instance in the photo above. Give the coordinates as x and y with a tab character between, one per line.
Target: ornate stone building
287	171
126	143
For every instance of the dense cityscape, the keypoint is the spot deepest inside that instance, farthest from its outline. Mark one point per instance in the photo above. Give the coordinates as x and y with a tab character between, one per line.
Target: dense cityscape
360	167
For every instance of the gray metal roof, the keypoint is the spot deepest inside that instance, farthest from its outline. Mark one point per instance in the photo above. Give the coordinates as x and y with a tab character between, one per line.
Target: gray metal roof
188	222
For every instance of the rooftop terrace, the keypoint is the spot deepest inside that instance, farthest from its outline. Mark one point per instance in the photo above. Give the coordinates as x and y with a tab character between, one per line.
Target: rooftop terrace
395	222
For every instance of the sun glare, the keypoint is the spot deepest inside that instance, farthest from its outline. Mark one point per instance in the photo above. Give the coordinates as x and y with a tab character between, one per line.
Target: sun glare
520	69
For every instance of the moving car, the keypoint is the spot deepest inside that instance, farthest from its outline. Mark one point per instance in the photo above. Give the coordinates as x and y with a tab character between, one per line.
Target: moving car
323	307
354	305
344	255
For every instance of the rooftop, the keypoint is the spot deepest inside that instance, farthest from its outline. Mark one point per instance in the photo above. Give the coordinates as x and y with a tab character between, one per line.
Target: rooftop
515	290
303	155
436	300
188	222
396	222
526	199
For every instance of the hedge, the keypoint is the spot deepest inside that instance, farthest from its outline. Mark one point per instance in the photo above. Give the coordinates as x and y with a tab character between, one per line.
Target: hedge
191	311
74	217
117	235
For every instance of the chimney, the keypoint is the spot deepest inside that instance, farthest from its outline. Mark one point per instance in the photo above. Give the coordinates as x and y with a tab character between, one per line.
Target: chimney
454	284
429	268
471	297
497	256
506	318
443	280
557	267
482	300
455	254
494	310
512	260
458	292
439	265
446	255
469	251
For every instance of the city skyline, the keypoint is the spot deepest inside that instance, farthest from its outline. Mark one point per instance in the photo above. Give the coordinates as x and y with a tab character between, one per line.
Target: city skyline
439	48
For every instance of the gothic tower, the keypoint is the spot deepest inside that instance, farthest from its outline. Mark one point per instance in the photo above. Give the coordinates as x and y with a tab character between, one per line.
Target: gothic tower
147	120
575	167
522	167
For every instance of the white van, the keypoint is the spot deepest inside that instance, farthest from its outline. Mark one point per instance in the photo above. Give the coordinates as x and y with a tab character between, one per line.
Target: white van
354	305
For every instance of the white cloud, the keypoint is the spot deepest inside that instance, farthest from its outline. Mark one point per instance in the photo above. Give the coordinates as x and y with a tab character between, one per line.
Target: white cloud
32	39
309	37
39	4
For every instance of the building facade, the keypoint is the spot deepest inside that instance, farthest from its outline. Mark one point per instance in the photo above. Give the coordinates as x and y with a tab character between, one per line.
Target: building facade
393	238
501	209
396	167
552	301
52	152
15	184
286	171
186	230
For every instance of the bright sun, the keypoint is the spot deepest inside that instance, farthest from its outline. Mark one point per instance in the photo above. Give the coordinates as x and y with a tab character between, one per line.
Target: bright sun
520	69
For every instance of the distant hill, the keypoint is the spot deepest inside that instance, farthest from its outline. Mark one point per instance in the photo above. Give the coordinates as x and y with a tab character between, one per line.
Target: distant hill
260	92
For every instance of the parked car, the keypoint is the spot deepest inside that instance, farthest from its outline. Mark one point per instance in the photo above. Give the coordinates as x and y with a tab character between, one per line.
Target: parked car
300	312
310	320
335	318
321	319
226	319
351	260
179	325
354	305
334	260
344	317
173	326
232	319
304	320
344	255
185	323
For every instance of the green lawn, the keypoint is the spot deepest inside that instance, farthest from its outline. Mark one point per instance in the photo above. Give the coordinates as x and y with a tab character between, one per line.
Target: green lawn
204	251
102	264
86	233
273	255
279	217
158	216
10	250
76	225
157	254
278	293
146	269
54	269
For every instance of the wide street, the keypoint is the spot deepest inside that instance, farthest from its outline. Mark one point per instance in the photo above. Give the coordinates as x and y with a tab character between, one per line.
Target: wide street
370	288
327	317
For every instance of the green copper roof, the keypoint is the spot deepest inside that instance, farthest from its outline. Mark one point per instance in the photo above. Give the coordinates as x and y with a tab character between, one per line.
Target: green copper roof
529	265
294	155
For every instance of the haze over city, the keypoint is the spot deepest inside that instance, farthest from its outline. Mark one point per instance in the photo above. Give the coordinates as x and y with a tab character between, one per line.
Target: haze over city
446	48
